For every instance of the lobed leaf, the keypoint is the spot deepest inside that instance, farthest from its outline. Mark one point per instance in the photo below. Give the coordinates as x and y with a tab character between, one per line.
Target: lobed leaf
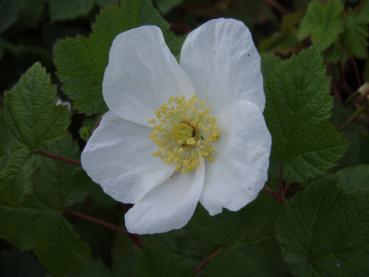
297	111
81	61
33	226
323	21
323	231
31	111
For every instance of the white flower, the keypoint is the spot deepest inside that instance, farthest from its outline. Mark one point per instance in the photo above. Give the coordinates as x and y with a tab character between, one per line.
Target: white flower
179	134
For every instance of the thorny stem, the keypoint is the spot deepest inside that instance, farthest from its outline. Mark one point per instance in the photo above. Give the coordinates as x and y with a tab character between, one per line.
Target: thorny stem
351	118
204	262
134	238
59	158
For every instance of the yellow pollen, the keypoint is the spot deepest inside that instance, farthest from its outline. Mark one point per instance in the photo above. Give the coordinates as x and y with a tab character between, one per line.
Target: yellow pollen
184	132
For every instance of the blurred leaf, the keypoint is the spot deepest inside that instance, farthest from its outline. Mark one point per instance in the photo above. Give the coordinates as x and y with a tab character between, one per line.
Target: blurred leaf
33	226
31	111
356	34
324	231
29	12
23	12
297	109
8	14
356	135
323	22
165	6
81	61
16	264
285	40
67	9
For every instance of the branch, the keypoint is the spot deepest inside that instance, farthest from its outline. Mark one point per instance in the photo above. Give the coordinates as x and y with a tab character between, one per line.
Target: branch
201	265
274	194
134	238
351	118
56	157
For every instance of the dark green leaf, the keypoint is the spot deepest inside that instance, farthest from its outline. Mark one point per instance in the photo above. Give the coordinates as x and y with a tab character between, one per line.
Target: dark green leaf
34	226
356	34
81	61
323	21
58	184
261	259
66	9
297	109
354	179
31	111
15	176
324	232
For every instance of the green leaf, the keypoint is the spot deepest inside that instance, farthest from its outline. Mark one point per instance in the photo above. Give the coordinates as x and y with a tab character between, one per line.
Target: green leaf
34	226
354	179
15	177
8	14
31	111
92	268
166	5
324	232
153	260
81	61
23	13
16	264
323	22
356	34
57	184
286	39
262	259
66	9
249	225
297	110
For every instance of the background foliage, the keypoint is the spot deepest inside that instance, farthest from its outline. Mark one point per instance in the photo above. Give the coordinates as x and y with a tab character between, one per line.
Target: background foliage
312	218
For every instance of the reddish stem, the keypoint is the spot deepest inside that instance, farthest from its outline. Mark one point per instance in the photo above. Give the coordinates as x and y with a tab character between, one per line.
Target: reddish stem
201	265
134	238
274	194
55	157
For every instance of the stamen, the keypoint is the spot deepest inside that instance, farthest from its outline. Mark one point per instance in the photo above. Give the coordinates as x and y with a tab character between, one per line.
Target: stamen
184	132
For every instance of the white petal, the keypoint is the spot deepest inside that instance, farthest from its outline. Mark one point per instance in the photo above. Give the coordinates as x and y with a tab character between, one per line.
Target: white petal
118	157
223	64
241	163
169	206
142	74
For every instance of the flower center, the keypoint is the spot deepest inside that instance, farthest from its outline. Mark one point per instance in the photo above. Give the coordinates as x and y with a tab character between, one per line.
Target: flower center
184	132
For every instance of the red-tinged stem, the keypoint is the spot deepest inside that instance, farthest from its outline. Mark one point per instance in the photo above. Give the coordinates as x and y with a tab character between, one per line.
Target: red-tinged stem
201	265
134	238
56	157
274	194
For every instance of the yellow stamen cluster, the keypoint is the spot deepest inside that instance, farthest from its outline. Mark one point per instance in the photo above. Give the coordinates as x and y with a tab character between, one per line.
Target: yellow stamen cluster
184	131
